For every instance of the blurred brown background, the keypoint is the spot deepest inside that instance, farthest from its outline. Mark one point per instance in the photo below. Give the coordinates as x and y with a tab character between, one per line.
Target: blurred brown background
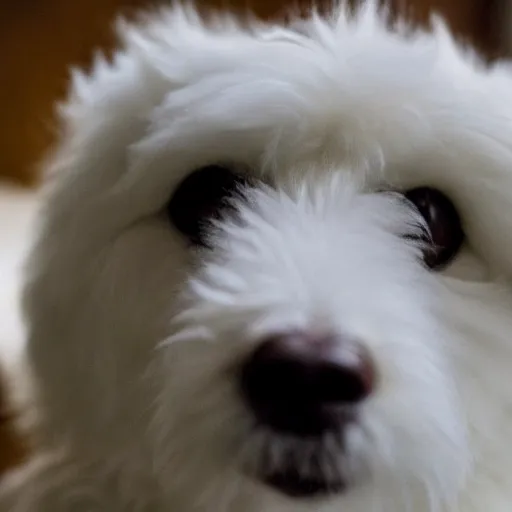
40	39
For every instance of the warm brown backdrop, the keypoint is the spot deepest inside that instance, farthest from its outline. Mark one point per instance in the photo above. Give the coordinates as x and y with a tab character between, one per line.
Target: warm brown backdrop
40	39
12	447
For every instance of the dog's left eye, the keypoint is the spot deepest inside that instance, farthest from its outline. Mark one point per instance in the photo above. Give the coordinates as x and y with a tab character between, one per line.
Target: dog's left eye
444	224
201	197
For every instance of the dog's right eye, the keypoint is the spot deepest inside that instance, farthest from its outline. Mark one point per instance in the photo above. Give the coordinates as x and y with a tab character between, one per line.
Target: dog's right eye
202	196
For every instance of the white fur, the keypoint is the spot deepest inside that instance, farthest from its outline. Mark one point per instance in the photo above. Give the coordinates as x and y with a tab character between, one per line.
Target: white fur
133	336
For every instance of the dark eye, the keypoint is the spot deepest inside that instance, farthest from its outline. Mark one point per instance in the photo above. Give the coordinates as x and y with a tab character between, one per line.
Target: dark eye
444	223
201	197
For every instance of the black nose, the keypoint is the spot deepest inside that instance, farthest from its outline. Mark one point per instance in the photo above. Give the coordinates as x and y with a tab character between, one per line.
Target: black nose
304	385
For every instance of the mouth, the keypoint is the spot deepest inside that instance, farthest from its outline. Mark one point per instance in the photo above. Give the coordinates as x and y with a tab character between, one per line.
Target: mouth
300	468
294	485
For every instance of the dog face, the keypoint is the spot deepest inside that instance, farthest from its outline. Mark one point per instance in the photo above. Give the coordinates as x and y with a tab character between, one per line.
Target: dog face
274	266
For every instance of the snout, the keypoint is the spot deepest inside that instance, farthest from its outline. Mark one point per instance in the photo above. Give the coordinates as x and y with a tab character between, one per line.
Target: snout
306	387
343	381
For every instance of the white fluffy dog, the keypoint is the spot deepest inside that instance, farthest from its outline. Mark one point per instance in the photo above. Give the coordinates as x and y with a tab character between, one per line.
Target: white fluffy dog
273	273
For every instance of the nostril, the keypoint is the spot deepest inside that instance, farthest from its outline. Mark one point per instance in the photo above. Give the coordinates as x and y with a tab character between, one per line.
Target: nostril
294	377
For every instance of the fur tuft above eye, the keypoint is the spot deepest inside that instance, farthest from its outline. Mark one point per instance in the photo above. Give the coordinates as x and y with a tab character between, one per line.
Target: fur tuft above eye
445	233
201	197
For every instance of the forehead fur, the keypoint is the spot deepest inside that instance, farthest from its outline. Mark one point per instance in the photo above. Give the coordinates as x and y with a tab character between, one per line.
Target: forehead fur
403	108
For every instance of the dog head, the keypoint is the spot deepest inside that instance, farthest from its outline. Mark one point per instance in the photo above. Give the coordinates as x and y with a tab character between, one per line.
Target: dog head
276	261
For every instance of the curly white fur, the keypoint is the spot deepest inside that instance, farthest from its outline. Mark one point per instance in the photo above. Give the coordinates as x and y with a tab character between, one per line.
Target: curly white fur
132	335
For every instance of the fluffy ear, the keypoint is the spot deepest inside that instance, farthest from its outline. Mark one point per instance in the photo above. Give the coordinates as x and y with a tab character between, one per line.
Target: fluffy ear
159	53
476	166
484	192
